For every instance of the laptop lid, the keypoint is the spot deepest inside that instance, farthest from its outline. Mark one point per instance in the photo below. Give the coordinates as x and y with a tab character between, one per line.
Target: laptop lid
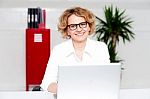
89	81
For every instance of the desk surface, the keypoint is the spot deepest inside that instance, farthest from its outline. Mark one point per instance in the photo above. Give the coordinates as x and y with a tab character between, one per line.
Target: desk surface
124	94
25	95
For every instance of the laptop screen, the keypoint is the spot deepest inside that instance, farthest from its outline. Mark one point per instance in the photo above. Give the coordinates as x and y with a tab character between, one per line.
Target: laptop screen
89	81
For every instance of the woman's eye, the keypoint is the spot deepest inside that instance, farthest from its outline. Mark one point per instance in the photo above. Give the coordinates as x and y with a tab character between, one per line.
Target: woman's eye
72	26
83	24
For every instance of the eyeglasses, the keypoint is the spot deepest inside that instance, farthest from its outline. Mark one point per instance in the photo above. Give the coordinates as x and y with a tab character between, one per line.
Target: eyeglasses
74	26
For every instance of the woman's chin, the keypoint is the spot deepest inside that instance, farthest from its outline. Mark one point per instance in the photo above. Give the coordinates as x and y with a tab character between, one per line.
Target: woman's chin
80	39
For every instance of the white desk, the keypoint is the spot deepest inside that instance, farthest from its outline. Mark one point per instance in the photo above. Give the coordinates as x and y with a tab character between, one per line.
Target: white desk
25	95
124	94
135	93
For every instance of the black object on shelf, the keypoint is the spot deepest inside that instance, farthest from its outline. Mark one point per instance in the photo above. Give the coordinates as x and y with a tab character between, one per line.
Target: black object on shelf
35	17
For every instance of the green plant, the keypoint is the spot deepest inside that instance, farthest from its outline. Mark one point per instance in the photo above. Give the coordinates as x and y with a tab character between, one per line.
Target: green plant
116	26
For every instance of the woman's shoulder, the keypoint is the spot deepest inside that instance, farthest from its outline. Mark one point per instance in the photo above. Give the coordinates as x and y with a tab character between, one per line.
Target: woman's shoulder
63	44
97	43
62	47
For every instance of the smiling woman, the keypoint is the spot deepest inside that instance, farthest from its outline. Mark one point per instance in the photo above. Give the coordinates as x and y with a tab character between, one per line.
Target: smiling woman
76	32
75	24
66	17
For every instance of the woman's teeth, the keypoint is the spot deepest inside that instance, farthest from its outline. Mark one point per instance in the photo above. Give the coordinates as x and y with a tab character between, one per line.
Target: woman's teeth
79	34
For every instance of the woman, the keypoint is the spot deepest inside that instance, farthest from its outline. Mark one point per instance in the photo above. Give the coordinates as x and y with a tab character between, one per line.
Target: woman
75	24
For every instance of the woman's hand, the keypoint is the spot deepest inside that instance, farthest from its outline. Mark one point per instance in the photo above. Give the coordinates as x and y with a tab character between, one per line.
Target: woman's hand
52	87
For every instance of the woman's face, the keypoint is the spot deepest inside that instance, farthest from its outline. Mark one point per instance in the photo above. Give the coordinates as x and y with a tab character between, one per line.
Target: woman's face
78	28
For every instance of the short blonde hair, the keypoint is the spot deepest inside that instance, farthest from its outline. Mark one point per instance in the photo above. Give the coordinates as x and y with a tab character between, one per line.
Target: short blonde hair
78	11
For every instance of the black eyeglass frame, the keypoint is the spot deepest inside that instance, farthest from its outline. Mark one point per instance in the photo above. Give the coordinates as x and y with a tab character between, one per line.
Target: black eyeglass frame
74	26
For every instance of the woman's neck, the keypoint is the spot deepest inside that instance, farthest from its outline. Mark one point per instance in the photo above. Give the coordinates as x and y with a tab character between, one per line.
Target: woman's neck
79	45
79	48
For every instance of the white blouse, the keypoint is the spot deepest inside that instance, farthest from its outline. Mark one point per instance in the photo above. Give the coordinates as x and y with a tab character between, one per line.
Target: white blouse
95	52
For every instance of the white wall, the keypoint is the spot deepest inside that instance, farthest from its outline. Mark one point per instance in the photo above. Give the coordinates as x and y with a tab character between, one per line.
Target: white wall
12	50
12	39
136	54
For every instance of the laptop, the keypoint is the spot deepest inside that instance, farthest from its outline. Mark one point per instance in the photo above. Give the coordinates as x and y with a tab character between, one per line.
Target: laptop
89	81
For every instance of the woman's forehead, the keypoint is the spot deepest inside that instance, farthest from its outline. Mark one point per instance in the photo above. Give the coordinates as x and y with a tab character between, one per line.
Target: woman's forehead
73	19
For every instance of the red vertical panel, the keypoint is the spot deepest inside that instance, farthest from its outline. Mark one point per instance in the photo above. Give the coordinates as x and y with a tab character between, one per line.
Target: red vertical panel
37	55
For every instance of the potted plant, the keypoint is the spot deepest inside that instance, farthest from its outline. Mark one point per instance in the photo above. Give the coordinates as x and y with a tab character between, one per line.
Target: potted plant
116	26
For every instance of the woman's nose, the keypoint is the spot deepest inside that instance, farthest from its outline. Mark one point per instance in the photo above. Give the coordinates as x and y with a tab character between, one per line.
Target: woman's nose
79	28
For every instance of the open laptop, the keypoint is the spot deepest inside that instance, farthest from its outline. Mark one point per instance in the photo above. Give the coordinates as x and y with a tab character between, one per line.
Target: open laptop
89	81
